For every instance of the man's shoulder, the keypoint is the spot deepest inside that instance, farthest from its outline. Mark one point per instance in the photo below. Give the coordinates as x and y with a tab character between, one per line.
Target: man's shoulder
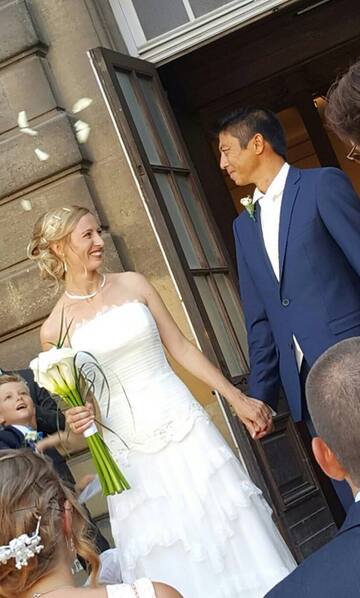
328	572
323	173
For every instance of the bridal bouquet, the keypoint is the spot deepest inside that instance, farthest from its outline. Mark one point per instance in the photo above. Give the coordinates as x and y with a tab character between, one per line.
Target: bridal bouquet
58	371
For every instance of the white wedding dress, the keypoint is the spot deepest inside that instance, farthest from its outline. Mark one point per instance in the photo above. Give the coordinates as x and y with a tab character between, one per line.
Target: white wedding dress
192	518
142	588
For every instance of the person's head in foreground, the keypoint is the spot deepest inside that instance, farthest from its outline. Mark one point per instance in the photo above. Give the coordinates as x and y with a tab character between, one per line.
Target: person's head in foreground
333	397
16	404
252	145
34	502
343	109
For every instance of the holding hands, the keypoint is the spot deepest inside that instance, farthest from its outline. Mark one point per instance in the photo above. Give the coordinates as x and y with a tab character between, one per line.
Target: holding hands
255	415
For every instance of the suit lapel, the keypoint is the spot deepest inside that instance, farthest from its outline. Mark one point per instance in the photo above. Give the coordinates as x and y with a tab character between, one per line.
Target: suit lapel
287	206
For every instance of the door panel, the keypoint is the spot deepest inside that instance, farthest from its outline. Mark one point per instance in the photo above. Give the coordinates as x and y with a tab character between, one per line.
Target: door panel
204	273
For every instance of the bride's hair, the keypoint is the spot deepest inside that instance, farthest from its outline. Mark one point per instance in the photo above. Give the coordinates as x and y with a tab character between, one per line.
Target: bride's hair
29	489
53	226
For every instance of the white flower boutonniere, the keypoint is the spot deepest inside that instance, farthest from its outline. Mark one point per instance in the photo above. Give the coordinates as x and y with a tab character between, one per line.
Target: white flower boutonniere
249	206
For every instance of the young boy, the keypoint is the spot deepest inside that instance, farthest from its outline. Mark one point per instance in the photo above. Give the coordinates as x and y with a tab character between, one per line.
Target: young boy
18	421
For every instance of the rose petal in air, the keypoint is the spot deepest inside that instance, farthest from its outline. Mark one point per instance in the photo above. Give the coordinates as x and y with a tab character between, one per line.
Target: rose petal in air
24	124
22	120
41	154
81	104
26	205
82	131
29	131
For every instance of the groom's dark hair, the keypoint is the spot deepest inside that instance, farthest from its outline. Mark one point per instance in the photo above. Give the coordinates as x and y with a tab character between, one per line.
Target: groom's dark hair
333	398
246	122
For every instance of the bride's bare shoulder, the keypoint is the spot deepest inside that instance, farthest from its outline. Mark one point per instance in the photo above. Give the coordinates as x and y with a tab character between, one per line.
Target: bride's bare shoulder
130	280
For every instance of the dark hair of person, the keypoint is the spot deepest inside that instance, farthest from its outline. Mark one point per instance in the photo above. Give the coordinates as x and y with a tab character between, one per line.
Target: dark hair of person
246	122
343	108
333	398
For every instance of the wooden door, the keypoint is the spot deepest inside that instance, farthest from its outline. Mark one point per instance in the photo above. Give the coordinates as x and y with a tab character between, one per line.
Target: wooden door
204	273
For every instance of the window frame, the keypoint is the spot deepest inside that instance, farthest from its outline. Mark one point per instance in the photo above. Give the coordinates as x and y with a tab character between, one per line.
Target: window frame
195	33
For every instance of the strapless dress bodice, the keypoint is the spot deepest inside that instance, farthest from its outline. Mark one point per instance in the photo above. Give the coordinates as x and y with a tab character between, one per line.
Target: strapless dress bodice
149	405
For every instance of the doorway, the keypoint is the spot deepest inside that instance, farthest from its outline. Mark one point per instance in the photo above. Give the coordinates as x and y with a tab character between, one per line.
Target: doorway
283	64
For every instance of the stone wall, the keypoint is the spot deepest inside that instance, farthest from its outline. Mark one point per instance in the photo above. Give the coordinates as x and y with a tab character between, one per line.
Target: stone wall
44	70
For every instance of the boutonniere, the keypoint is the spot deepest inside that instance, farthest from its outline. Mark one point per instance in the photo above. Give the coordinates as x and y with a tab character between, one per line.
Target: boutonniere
32	437
249	206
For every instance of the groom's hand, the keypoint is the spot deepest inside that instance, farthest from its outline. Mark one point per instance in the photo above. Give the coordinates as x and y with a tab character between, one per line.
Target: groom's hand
255	415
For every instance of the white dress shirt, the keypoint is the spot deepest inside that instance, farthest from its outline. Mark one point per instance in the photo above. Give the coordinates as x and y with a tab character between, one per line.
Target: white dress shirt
357	497
270	204
22	429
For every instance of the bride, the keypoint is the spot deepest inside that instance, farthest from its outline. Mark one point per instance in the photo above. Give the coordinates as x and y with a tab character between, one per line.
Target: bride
192	518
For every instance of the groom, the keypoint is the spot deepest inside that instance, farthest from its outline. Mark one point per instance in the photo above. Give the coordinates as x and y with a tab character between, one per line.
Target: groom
298	252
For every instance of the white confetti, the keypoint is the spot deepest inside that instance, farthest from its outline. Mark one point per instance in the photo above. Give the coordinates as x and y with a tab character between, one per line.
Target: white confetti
29	131
82	131
81	104
41	154
26	205
22	120
24	124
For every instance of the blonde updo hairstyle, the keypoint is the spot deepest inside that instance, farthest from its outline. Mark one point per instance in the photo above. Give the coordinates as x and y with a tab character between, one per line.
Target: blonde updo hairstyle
29	489
53	226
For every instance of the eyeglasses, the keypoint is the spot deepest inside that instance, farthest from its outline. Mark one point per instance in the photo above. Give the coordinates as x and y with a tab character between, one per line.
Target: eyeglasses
354	154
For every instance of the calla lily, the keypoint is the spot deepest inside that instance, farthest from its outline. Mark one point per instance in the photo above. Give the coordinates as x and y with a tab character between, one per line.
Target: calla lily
58	372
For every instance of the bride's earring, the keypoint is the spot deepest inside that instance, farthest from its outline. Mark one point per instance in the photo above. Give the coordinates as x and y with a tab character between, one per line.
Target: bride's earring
76	566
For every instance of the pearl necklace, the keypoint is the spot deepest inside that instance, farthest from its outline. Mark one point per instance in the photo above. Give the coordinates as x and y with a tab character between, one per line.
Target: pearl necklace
91	295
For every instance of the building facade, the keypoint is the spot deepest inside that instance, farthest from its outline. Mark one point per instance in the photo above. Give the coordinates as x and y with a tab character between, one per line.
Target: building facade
159	72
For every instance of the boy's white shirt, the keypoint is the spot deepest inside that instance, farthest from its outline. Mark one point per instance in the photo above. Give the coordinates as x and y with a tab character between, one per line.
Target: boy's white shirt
22	429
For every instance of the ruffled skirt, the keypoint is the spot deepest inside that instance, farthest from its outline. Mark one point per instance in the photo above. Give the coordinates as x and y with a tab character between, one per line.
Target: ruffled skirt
193	519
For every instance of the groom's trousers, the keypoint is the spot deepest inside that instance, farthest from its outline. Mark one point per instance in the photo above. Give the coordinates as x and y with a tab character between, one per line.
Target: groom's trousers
342	489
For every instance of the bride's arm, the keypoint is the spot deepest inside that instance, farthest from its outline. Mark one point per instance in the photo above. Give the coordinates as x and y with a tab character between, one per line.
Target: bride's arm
255	414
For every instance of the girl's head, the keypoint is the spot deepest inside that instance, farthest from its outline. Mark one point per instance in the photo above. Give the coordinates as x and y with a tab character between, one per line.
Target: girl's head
67	238
30	489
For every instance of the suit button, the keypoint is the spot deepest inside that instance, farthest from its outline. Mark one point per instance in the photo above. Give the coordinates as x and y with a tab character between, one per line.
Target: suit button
285	302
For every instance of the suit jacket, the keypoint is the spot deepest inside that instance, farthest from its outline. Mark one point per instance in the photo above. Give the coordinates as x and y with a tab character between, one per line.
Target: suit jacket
49	419
331	572
318	296
12	438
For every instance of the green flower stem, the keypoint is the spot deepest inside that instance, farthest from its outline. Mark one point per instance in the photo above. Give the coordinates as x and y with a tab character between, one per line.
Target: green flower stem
111	479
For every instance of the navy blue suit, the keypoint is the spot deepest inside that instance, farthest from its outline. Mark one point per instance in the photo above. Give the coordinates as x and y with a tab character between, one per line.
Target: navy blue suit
12	438
331	572
318	296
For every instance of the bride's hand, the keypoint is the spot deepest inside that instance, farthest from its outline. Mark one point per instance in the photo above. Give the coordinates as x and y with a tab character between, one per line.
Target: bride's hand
80	419
255	415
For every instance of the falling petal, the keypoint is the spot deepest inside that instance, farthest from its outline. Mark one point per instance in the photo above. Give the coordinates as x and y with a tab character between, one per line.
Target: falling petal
22	120
29	131
81	104
41	154
82	131
26	205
